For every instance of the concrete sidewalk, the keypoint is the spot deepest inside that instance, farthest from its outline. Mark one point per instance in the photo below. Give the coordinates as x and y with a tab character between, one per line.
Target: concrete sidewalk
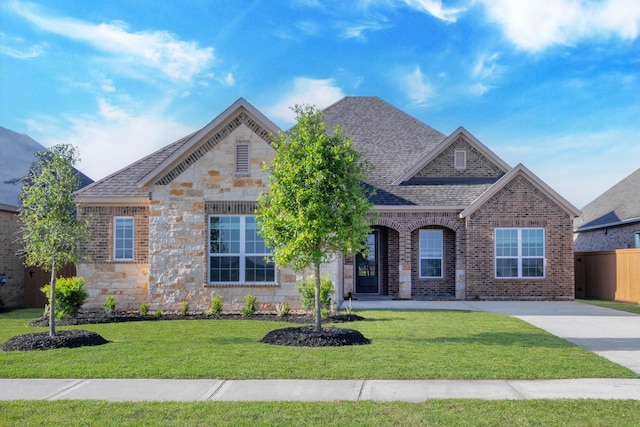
117	390
612	334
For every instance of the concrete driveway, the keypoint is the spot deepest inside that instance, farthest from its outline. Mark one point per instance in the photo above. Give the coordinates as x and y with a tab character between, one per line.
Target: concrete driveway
612	334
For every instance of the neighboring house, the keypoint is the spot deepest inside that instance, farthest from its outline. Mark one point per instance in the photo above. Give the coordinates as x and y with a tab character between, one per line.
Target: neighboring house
612	220
18	154
450	219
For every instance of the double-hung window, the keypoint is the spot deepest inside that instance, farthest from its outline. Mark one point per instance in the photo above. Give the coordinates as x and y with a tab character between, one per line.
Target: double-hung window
237	252
520	252
430	253
123	238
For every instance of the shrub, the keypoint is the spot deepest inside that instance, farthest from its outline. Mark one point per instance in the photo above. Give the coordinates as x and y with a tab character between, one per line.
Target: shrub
282	308
307	291
250	306
109	305
144	308
216	305
158	313
70	295
184	308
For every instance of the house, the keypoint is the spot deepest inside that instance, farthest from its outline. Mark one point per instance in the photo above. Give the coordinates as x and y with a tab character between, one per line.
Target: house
18	154
612	220
450	219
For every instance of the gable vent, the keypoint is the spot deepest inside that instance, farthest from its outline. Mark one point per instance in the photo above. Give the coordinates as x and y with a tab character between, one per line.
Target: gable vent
460	159
242	159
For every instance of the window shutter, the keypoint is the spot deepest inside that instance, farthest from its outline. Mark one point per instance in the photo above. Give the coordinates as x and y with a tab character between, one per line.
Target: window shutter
242	159
460	159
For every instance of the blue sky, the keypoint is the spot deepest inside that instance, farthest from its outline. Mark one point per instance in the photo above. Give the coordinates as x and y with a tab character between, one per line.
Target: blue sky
552	84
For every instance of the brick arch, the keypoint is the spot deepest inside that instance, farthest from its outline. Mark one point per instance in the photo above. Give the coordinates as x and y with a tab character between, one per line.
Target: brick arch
387	222
421	222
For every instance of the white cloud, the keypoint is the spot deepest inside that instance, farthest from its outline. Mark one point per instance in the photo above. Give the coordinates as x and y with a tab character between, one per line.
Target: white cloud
15	48
318	92
109	139
537	25
177	60
356	31
436	9
484	72
416	86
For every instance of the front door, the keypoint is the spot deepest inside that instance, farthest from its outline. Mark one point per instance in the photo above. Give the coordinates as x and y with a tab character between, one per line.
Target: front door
367	268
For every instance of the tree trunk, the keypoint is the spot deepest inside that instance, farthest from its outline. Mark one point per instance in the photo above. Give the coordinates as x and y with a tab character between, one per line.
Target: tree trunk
52	305
318	310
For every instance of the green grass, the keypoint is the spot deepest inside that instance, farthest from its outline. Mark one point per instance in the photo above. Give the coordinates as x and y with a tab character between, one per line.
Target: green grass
432	344
622	306
365	413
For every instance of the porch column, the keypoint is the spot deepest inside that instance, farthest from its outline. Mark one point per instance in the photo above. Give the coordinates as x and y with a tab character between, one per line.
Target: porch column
461	266
404	265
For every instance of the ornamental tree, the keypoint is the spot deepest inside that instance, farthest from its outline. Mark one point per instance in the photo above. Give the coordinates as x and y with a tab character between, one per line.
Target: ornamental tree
50	227
317	203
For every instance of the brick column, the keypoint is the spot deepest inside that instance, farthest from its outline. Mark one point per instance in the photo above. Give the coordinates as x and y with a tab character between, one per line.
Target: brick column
404	265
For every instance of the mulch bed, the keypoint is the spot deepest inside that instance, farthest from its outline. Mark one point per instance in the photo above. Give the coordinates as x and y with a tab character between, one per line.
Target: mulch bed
298	336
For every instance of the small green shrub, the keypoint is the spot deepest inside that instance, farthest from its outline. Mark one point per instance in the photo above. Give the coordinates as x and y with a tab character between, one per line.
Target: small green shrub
109	305
158	313
282	308
184	308
144	308
307	291
216	305
70	295
250	305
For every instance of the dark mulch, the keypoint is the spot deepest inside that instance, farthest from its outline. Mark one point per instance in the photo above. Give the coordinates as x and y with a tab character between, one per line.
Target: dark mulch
306	336
62	339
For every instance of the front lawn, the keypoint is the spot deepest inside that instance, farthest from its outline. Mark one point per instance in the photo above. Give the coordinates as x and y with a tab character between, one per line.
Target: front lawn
433	344
431	413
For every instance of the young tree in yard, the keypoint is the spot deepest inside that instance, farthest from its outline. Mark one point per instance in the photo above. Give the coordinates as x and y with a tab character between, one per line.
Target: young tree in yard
317	204
51	230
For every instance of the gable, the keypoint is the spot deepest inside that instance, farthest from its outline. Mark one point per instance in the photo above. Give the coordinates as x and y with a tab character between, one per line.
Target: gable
459	159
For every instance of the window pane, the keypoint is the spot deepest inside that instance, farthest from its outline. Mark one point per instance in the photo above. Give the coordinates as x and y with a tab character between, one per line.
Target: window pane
533	267
430	243
532	242
259	270
506	242
431	267
224	234
507	267
224	269
254	244
123	238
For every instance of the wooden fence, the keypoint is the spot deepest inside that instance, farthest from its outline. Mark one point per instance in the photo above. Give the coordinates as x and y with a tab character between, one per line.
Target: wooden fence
610	275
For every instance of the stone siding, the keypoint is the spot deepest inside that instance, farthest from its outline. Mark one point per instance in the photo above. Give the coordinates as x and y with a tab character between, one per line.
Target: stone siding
128	283
607	239
520	204
12	292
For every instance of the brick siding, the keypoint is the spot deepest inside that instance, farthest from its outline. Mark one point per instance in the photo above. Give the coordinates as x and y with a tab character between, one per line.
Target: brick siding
478	166
12	292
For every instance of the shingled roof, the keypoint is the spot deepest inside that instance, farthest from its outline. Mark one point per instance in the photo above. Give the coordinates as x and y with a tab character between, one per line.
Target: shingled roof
618	205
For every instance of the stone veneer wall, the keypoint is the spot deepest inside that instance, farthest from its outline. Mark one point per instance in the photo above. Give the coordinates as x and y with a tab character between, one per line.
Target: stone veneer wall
178	228
607	239
520	204
12	292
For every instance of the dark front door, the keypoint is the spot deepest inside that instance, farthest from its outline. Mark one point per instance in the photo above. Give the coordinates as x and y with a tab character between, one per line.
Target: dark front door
367	268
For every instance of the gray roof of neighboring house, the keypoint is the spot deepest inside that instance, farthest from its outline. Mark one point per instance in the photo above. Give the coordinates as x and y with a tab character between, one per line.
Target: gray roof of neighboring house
618	205
388	137
18	154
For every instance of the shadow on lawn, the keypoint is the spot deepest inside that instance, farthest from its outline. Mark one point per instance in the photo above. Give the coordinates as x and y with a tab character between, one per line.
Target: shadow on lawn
507	339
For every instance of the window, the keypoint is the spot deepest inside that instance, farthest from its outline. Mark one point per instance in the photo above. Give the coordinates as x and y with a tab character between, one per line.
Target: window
519	252
460	159
430	253
242	159
237	252
123	238
637	239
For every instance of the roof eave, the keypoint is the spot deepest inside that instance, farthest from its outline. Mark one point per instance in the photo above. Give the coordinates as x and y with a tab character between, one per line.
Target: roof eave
606	225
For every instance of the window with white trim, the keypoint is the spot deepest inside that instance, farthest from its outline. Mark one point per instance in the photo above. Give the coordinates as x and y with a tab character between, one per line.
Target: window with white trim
237	252
460	159
242	159
123	238
430	242
519	252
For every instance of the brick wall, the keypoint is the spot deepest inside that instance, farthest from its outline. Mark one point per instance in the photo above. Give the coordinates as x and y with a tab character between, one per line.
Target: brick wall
607	239
445	286
12	293
520	204
478	166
